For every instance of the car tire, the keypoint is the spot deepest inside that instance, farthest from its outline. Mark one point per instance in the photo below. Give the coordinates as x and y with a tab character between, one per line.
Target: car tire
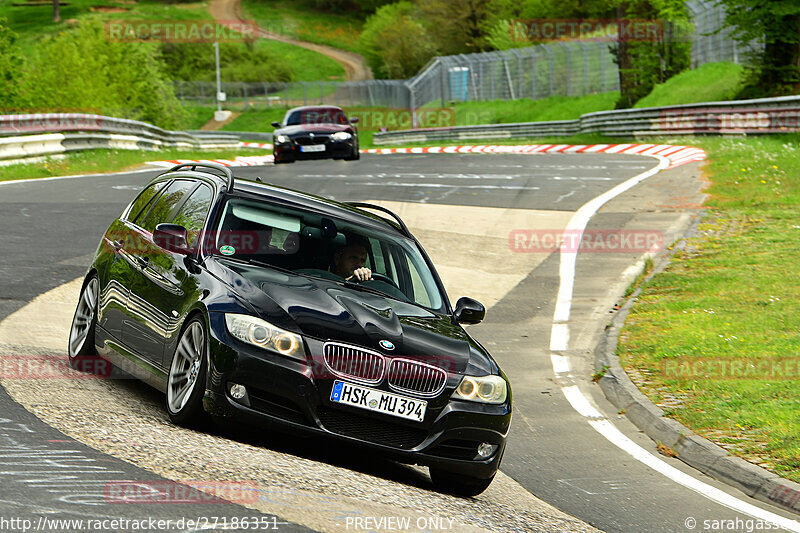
458	484
355	155
81	334
283	161
187	376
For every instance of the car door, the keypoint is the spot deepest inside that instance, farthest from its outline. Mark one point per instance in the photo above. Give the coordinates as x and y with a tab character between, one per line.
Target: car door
183	288
119	264
153	289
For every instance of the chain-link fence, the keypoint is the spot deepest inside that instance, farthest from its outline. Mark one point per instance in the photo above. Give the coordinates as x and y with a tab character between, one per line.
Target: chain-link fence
711	41
567	68
241	95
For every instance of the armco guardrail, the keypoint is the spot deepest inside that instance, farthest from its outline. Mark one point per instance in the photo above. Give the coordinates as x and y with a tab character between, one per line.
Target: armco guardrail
765	115
32	135
241	135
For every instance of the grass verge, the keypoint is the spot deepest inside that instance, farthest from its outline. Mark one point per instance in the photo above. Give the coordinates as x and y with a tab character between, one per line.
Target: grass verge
714	338
525	110
712	82
98	161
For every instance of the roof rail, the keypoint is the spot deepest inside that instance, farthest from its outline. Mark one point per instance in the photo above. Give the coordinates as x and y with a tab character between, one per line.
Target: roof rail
364	205
225	170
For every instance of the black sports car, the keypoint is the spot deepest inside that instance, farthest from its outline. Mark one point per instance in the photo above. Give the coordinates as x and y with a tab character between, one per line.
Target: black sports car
315	132
241	300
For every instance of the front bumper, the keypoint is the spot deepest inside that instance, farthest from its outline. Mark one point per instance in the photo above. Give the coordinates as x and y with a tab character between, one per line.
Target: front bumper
294	152
296	396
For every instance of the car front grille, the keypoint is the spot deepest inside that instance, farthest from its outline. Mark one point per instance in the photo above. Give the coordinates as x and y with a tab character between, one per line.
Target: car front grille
406	375
305	140
354	363
370	429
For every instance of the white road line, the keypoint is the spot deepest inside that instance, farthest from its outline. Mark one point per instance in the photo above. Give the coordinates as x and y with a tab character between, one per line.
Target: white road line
559	341
609	431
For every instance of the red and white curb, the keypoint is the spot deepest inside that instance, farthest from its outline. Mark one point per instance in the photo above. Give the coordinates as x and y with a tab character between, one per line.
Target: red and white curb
240	161
677	155
263	146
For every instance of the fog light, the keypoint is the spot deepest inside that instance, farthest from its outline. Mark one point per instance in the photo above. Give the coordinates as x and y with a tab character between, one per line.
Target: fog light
485	450
238	392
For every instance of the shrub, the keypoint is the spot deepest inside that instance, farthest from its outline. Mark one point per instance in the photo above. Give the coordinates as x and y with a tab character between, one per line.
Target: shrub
80	69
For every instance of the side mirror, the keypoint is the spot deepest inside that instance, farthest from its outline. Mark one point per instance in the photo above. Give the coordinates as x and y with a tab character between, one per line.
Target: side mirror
173	238
469	311
276	124
354	120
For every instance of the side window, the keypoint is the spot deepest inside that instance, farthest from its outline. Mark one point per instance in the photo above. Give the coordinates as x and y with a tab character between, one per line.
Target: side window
144	199
165	205
420	291
193	213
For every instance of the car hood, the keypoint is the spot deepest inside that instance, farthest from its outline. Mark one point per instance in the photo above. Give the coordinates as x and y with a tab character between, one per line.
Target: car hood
327	310
313	128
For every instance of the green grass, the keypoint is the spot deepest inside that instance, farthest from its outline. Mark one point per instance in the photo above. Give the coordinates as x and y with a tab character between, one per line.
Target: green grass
307	65
33	23
302	20
508	111
96	161
711	82
198	115
731	296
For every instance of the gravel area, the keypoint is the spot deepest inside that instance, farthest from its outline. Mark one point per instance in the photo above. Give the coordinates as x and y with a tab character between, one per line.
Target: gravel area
307	481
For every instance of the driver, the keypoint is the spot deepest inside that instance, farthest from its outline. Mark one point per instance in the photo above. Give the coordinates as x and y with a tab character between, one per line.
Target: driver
349	261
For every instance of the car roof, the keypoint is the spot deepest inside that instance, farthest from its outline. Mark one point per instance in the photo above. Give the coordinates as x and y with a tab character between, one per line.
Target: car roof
351	212
311	107
341	210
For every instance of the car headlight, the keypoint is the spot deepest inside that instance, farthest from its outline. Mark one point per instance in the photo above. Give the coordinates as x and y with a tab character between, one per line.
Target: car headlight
485	389
341	136
282	139
261	333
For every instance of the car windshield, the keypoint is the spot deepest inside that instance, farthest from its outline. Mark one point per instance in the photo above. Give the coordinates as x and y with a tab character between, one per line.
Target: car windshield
312	244
317	115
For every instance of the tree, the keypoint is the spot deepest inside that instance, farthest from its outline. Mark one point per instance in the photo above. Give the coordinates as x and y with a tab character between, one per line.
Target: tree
644	63
395	43
776	23
458	26
10	61
56	11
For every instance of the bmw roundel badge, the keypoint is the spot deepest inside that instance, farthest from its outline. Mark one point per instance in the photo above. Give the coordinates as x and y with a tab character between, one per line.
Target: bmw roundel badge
386	345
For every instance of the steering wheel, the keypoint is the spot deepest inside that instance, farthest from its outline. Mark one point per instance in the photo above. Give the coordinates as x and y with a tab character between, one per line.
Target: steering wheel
385	279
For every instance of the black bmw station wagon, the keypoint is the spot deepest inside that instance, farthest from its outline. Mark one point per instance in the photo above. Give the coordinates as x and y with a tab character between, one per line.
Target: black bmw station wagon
269	306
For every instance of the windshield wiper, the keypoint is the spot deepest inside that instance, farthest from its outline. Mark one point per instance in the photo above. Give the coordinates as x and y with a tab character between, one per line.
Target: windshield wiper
260	263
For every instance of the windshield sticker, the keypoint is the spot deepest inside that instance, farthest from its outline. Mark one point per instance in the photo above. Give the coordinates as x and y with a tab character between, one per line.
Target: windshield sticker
227	250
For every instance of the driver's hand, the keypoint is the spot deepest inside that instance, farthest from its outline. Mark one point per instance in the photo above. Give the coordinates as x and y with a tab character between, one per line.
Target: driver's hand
362	274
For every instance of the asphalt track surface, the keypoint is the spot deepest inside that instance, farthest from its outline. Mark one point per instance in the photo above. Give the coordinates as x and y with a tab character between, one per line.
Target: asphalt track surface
50	229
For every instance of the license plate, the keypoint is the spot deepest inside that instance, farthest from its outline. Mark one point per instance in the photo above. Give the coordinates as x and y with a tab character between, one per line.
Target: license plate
378	401
313	148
